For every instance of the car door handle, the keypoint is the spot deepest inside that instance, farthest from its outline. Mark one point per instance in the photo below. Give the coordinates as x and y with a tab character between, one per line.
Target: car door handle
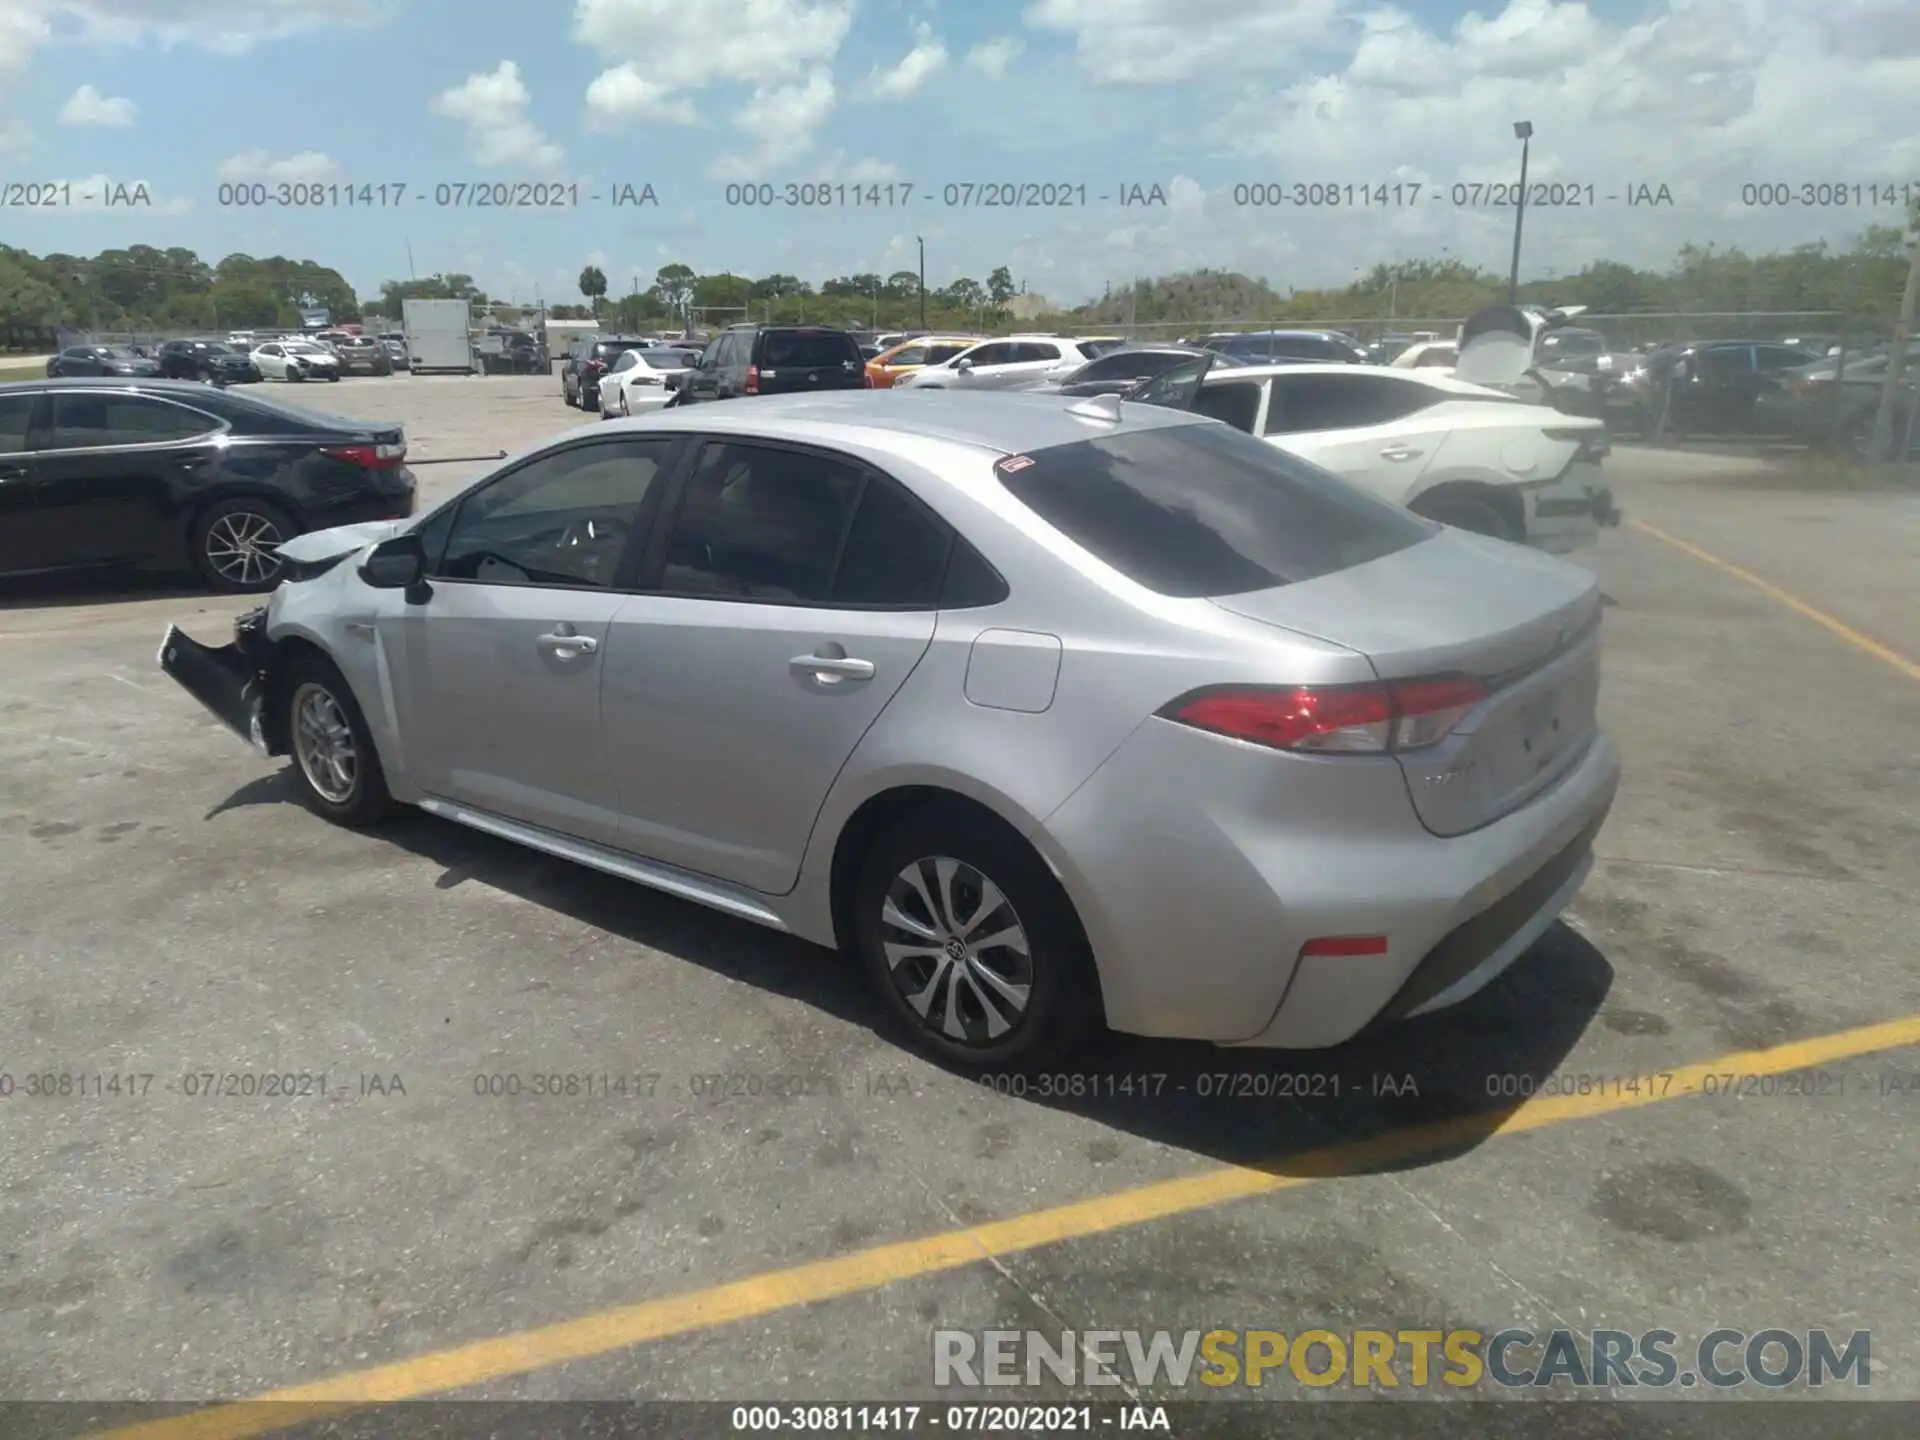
832	667
1400	452
567	645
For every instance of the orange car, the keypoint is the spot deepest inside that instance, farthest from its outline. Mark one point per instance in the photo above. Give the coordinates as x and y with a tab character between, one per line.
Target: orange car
909	355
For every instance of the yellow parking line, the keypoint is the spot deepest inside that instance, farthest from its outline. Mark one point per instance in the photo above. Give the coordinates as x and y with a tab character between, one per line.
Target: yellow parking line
1909	668
757	1295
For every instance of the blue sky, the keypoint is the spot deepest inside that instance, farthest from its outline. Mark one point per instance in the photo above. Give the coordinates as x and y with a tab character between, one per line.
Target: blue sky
1200	98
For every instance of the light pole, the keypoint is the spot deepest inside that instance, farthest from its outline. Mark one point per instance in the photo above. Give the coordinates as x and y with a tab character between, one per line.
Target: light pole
1523	132
923	280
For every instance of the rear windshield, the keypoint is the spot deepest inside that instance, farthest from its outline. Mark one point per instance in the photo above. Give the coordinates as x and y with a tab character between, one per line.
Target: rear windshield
807	348
664	359
1202	510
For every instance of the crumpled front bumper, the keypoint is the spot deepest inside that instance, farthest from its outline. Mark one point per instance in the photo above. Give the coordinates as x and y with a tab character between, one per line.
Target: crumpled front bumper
231	681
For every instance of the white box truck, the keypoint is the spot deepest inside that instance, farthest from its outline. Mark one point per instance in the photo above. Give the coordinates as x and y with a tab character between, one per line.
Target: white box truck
439	336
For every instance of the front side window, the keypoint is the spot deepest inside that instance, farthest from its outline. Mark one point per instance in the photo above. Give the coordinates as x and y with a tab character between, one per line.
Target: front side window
89	421
563	519
912	355
999	353
940	354
761	522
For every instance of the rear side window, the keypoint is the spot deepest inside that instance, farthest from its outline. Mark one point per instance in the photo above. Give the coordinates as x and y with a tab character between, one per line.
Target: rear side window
808	349
1236	403
15	412
762	523
1304	403
1201	510
896	552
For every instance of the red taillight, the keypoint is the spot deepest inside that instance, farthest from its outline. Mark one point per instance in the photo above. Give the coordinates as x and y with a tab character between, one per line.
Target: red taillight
370	457
753	380
1333	719
1345	946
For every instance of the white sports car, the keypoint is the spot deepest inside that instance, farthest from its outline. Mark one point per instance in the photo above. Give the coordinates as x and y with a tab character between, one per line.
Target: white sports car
637	383
296	360
1465	454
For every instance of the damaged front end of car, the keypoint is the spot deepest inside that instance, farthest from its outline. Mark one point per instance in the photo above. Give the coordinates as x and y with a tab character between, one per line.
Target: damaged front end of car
234	682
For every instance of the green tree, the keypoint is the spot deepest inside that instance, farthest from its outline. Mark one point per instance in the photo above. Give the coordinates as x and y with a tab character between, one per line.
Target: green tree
593	285
1000	286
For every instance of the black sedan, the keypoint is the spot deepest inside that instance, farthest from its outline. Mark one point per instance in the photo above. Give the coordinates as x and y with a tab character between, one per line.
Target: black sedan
1120	370
168	474
206	360
77	360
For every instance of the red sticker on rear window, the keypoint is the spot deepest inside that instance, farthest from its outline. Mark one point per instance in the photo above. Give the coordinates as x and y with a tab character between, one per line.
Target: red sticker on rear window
1013	463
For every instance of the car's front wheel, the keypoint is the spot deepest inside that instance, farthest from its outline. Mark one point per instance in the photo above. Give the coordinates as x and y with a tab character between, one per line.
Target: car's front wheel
233	543
973	946
334	762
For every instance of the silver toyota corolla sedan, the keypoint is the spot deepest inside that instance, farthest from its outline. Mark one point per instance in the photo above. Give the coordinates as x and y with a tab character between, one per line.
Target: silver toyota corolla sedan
1054	713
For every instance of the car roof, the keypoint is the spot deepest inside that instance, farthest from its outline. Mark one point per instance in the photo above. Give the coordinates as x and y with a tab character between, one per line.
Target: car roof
180	389
993	422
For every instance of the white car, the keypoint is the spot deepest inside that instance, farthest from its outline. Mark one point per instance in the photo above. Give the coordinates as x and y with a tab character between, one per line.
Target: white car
1013	362
637	383
296	360
1463	454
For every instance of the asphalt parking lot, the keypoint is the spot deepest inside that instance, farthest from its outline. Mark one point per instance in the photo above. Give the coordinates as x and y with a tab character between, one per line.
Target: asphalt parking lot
167	909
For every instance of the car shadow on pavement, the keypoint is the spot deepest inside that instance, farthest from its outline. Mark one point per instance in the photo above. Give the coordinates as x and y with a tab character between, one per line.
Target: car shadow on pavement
69	589
1455	1075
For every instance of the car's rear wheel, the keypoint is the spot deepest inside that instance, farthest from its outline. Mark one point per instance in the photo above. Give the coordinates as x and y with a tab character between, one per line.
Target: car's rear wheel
334	762
233	543
972	945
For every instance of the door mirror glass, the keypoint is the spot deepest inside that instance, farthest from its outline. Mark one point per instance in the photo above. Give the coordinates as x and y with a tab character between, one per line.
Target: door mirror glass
396	564
963	365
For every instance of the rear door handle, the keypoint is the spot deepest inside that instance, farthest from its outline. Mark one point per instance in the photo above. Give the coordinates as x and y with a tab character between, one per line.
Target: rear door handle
832	667
565	644
1400	452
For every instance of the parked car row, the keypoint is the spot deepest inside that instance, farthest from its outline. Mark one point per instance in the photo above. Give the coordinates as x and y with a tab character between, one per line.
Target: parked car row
1011	697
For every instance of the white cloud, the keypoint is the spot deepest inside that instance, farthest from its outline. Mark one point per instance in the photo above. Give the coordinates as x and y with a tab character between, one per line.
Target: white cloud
493	107
780	121
1161	42
14	136
992	57
671	45
307	167
87	106
23	29
621	93
927	58
215	25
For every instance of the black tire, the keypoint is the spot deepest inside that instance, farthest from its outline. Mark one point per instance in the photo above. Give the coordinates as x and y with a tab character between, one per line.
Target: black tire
296	375
1475	516
1063	1006
363	802
231	544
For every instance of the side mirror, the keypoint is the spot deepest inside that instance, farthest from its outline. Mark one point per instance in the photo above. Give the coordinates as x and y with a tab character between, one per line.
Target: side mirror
396	564
963	366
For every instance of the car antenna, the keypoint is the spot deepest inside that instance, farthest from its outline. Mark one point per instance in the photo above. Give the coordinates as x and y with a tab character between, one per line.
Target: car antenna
1104	408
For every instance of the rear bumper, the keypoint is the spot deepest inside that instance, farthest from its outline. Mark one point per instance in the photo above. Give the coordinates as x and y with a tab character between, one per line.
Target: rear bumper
1570	513
231	681
1200	868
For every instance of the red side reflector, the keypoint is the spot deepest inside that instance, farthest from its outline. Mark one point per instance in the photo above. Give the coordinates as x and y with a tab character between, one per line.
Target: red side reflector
1345	945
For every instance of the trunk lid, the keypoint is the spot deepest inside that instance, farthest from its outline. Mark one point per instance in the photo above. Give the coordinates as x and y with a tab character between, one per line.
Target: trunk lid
1525	624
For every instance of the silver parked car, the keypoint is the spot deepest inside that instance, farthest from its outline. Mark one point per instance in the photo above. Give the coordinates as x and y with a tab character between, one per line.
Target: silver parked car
1054	712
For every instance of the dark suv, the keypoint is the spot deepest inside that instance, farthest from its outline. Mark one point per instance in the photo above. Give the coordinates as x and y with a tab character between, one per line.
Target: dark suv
775	360
206	360
587	360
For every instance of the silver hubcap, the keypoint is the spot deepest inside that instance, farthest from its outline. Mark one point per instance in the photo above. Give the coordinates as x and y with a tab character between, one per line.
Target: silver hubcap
240	547
323	744
957	952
